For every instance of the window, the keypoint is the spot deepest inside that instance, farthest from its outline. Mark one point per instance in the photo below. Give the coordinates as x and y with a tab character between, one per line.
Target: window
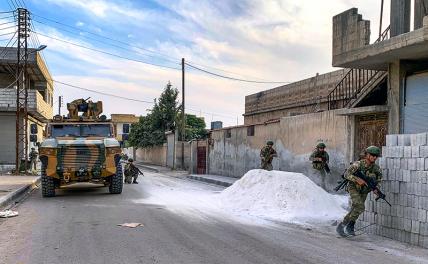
250	131
228	133
125	128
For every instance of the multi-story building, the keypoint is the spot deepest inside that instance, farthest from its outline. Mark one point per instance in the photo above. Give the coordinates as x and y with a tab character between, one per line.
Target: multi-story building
40	101
122	124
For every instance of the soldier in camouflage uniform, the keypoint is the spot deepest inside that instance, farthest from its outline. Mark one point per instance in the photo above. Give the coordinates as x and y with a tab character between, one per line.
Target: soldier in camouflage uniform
33	159
267	153
358	189
131	172
320	159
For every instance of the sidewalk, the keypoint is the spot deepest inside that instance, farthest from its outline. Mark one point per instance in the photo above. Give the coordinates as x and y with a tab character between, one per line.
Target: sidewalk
12	187
162	169
214	179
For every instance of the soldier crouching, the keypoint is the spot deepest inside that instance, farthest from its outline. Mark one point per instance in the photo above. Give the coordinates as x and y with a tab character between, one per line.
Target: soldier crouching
358	189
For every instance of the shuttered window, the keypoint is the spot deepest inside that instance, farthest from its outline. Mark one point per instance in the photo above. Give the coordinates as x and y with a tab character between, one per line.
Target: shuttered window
415	104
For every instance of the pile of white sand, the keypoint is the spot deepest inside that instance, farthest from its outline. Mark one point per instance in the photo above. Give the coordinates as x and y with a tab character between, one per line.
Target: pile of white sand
283	196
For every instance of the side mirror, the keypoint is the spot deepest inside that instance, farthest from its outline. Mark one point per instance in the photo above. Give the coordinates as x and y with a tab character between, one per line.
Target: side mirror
33	138
33	128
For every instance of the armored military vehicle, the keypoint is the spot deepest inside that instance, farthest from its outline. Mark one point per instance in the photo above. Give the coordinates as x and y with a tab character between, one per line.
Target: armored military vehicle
80	148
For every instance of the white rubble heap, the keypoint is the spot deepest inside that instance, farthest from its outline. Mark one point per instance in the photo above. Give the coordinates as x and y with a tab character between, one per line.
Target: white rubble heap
282	196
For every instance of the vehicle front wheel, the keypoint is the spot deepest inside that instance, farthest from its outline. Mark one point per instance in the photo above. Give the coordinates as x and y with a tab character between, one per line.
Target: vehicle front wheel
116	181
48	185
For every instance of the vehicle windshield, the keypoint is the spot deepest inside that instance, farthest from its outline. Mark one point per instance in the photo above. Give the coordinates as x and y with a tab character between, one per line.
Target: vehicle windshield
81	130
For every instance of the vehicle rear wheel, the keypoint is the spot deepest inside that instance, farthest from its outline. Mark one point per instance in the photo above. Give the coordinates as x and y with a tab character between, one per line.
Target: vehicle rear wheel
116	182
48	185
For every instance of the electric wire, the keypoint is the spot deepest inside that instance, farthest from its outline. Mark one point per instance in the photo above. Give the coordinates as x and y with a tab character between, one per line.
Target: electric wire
231	78
7	12
107	53
7	17
172	59
14	26
106	43
4	49
5	23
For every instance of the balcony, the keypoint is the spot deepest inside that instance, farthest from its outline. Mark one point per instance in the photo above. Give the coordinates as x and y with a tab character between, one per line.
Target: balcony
37	107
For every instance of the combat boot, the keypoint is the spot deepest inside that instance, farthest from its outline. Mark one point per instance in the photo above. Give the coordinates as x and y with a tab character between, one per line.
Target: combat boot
135	182
339	229
350	228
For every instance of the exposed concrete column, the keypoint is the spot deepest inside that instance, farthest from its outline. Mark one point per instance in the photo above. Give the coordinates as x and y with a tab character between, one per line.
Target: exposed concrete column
395	86
421	10
400	17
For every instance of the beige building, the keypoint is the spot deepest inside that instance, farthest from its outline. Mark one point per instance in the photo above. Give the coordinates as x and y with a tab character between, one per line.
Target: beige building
122	125
40	101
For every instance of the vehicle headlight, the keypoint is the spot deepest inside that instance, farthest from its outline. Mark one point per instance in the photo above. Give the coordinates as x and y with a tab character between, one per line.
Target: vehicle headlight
114	150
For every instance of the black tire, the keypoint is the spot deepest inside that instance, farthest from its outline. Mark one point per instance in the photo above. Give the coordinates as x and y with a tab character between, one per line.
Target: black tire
116	181
48	185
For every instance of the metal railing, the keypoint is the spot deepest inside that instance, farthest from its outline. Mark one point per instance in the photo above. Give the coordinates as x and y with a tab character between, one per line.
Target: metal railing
354	81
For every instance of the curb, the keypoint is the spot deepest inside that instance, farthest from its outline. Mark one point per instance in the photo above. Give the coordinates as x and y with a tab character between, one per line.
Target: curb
15	195
216	182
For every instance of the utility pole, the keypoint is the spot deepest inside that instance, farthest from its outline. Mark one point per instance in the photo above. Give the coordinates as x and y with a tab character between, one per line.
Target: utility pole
183	115
21	148
59	104
381	18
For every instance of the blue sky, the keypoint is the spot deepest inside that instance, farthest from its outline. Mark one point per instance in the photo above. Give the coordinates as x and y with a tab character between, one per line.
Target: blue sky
253	39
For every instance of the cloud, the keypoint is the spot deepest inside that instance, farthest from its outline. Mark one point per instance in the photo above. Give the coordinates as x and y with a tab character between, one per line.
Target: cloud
252	39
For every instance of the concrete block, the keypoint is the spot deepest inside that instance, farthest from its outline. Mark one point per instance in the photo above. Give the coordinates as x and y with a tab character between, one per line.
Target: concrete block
415	151
411	164
421	139
403	140
403	164
413	140
423	229
407	225
414	239
424	187
390	163
407	151
415	226
396	152
423	151
391	140
422	215
406	176
420	164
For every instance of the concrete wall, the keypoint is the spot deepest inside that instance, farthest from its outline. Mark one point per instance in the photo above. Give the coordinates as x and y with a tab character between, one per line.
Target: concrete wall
7	139
404	164
350	31
305	96
295	138
153	155
421	10
182	148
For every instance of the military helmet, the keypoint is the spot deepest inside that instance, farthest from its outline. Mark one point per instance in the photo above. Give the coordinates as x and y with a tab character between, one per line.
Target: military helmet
373	150
321	145
130	160
269	142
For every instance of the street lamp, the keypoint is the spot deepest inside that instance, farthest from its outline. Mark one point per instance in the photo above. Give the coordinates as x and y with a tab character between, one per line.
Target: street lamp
40	48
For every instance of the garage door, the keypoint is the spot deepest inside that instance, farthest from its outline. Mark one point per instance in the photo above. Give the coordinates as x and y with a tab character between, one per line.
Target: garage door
415	104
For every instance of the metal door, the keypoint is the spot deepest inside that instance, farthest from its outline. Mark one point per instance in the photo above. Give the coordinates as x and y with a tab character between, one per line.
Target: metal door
201	160
371	131
414	104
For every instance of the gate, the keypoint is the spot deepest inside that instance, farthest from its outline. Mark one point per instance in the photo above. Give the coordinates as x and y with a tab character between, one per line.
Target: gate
371	131
201	160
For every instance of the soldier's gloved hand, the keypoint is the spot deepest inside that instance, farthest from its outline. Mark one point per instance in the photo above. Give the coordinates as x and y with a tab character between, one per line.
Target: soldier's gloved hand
360	182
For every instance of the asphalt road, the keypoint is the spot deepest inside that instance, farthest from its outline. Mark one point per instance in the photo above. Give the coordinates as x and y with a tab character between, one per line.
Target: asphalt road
80	226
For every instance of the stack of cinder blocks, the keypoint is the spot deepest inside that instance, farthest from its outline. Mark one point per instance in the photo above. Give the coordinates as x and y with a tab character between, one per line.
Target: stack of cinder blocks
404	165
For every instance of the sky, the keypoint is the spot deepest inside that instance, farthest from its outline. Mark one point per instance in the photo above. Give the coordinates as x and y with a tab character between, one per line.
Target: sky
262	40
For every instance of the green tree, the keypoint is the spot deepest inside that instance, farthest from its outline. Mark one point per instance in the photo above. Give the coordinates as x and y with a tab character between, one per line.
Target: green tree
195	127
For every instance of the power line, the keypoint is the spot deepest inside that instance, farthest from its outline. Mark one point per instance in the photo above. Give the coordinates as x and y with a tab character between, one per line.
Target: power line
4	49
7	33
109	38
107	53
106	43
102	93
228	77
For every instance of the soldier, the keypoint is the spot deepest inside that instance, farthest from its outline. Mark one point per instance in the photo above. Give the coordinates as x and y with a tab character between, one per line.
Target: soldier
267	153
131	172
358	189
320	159
33	158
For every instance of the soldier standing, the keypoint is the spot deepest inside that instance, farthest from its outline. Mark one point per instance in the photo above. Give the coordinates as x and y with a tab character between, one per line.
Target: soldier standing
267	153
33	158
320	159
358	189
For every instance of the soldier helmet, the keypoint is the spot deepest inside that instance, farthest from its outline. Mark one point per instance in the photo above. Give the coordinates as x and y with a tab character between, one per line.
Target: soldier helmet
373	150
269	142
130	160
321	145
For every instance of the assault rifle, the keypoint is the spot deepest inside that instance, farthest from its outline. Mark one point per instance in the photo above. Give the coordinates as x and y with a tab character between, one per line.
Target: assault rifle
371	183
326	167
